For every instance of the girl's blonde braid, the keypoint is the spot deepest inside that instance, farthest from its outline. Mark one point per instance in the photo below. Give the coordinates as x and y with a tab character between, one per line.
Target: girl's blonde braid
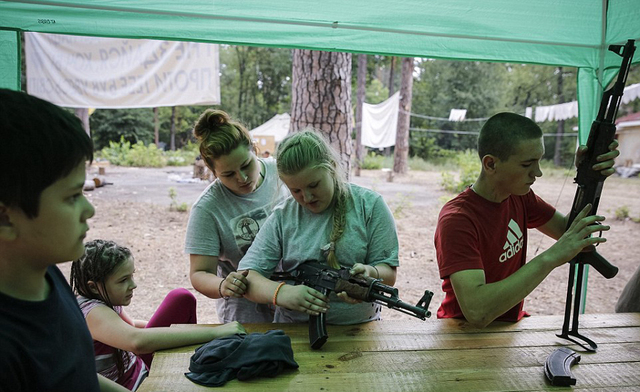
339	223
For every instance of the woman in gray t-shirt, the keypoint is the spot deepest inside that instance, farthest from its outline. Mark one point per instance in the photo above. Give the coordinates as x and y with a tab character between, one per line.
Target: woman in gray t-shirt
328	219
228	214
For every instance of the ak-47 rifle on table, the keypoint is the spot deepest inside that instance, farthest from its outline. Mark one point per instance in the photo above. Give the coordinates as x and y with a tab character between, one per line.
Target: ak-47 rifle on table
590	183
326	279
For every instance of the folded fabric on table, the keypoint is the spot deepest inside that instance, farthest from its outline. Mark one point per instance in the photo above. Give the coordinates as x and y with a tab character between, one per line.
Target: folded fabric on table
241	356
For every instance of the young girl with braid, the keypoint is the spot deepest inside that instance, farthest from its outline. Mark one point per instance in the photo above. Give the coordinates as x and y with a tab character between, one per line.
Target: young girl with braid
103	282
329	220
228	214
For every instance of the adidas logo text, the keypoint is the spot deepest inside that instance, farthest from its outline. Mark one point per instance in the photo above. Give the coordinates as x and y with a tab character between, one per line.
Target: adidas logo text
514	243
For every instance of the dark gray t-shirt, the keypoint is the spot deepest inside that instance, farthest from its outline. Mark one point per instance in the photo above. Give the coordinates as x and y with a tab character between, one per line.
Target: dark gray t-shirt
224	224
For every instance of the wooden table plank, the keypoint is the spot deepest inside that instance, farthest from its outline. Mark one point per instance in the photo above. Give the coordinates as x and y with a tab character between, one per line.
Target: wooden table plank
506	379
432	360
452	326
383	339
447	356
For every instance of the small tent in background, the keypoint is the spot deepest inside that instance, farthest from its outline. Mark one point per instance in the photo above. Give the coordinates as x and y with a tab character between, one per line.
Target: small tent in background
269	134
628	135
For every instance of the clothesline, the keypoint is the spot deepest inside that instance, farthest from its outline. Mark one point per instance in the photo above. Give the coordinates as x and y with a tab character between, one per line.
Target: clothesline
441	118
557	112
476	133
567	110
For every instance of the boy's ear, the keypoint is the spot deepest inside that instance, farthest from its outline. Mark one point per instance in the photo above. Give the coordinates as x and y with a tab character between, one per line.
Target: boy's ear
7	229
489	163
93	287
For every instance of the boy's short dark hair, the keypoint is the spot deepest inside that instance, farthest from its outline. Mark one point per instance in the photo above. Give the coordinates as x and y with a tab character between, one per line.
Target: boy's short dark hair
40	143
501	134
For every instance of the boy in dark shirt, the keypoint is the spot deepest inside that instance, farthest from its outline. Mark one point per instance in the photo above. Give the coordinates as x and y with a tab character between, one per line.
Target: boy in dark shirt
44	342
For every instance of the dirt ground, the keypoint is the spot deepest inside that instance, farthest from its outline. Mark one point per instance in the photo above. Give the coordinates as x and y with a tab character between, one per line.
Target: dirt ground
133	210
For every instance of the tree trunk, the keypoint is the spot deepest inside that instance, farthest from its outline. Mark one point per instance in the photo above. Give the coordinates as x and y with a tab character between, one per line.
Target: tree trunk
242	53
173	128
362	74
392	90
156	126
557	154
404	119
321	97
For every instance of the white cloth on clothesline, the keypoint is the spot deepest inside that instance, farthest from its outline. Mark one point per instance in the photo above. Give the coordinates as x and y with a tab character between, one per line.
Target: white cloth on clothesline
558	112
457	114
630	93
567	110
380	123
528	112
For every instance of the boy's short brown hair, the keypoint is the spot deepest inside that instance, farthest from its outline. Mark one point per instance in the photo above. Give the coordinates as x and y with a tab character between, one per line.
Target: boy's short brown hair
40	143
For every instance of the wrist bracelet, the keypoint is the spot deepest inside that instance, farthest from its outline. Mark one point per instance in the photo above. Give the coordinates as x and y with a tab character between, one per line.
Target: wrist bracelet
275	295
377	272
220	288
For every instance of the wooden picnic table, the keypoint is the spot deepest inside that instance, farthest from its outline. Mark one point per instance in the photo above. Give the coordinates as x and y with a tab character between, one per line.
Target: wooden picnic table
435	355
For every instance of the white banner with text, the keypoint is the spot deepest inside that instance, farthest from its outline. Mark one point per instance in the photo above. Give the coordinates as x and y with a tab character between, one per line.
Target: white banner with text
94	72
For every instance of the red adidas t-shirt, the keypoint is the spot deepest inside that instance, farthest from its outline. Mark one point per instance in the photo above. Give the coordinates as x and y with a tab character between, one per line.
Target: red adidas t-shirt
475	233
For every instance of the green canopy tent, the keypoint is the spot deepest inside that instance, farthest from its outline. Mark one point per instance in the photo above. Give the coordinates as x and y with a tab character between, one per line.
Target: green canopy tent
572	33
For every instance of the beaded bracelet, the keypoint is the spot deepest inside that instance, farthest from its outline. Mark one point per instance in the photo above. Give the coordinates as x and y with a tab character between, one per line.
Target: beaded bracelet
275	295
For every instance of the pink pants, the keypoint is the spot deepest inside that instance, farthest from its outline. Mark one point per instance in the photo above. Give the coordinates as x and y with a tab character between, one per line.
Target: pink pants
178	307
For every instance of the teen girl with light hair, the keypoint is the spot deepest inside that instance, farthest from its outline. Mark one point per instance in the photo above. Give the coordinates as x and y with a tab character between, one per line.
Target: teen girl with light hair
228	214
329	220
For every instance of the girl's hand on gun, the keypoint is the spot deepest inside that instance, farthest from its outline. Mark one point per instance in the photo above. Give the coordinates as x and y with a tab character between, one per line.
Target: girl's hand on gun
229	329
303	299
235	284
357	269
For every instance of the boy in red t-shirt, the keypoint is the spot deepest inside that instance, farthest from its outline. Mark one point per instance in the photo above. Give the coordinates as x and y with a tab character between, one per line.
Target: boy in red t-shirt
481	237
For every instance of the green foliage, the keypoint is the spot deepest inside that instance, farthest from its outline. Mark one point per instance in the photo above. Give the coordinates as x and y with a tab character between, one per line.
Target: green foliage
132	125
419	164
425	147
117	153
442	85
375	92
125	153
173	205
184	156
469	170
373	161
145	156
255	82
622	213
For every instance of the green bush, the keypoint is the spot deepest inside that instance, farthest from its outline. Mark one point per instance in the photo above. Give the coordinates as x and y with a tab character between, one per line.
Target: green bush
622	212
146	156
425	147
126	154
469	170
117	153
373	162
180	157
